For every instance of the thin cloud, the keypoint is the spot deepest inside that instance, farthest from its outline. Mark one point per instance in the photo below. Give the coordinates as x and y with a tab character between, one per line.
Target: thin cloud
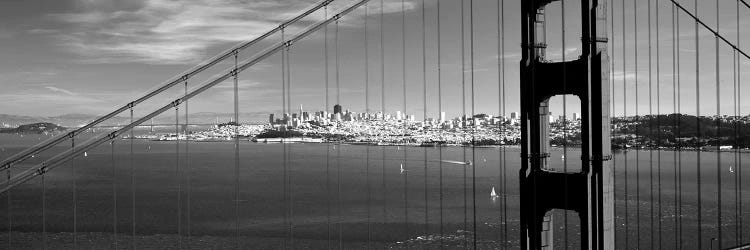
167	32
59	90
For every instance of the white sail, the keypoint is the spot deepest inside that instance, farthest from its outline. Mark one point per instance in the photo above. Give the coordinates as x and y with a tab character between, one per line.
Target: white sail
493	194
730	169
402	168
85	154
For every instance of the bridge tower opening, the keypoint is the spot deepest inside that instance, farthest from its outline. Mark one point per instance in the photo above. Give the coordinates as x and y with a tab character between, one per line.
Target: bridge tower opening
588	192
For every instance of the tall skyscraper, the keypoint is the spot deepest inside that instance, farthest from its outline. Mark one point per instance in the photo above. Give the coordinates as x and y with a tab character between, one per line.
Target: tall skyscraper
270	119
337	109
442	117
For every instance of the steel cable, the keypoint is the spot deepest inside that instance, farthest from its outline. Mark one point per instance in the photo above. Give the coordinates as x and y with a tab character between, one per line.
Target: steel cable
177	173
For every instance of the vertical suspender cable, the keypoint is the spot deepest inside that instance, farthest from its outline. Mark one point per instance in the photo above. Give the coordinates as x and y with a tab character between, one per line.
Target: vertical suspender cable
735	124
624	117
289	154
698	126
328	145
10	210
367	114
177	172
114	193
675	118
614	104
473	137
237	153
637	135
284	158
75	198
738	165
325	53
679	134
504	192
658	126
132	182
338	149
424	113
465	123
565	128
44	213
650	132
679	126
403	81
440	117
718	135
382	111
187	167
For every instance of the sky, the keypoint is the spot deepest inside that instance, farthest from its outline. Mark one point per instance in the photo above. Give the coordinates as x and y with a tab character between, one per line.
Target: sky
91	56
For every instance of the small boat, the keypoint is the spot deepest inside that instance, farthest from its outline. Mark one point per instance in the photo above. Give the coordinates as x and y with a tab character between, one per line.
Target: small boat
730	169
402	168
85	154
563	157
493	194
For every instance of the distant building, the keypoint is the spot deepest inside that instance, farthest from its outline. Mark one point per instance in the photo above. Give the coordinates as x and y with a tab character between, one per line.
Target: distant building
514	115
442	117
576	116
398	115
270	119
337	109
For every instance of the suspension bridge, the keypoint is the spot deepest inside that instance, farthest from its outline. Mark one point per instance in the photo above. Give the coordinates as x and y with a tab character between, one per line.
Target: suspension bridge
659	163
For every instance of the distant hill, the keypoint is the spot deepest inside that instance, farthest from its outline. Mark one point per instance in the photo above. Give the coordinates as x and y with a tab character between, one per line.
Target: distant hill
34	128
78	120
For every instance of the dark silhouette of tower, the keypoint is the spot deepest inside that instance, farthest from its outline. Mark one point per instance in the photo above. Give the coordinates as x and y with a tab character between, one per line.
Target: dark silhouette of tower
337	109
590	191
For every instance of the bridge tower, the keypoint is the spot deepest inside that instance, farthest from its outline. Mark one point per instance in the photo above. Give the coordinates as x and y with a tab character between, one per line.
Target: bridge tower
589	192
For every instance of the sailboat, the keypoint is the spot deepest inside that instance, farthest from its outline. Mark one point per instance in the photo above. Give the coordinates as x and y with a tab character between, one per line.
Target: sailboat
402	168
563	157
85	154
493	194
730	169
